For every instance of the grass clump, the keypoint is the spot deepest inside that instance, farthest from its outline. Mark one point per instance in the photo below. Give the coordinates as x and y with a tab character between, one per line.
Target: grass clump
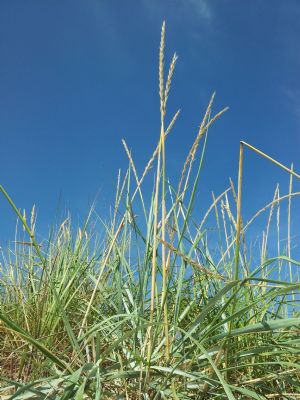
152	309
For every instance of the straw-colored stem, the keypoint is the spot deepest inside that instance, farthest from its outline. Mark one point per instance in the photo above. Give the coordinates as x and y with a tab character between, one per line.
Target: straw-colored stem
163	234
161	155
238	215
163	102
289	226
290	171
237	244
154	249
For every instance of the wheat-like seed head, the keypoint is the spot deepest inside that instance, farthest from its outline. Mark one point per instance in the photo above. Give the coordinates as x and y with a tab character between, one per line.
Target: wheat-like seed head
233	190
130	160
191	156
169	80
195	144
33	219
271	211
161	66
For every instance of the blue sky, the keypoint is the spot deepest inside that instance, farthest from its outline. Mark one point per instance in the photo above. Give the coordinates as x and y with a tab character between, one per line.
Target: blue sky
78	76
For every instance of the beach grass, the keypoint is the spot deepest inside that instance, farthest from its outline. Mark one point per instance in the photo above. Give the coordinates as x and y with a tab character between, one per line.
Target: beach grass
151	306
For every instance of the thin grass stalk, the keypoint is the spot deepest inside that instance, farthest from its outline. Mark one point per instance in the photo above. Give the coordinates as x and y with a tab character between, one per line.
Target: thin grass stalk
116	200
278	229
217	221
163	233
289	229
211	207
238	215
270	218
289	224
277	201
266	237
163	102
230	216
154	265
290	171
224	227
165	260
235	274
156	196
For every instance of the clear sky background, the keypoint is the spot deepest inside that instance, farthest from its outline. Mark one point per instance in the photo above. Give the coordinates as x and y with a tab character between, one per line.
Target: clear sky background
78	76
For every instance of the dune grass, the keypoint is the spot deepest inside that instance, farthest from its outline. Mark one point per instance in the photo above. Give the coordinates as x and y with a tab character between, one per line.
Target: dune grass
153	308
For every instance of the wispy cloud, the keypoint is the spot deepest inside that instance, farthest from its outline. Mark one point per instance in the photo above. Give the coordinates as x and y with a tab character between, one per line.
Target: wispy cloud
293	96
200	9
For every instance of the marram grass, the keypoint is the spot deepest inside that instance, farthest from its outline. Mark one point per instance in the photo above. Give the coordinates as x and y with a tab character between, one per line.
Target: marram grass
156	307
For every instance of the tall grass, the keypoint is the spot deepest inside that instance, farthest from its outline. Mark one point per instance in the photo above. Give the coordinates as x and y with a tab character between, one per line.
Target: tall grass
153	308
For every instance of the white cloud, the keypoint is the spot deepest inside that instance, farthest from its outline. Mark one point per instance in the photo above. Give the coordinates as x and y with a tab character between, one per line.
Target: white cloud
202	8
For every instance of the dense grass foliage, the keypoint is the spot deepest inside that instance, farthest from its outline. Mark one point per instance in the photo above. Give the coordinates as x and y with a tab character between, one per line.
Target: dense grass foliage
155	307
